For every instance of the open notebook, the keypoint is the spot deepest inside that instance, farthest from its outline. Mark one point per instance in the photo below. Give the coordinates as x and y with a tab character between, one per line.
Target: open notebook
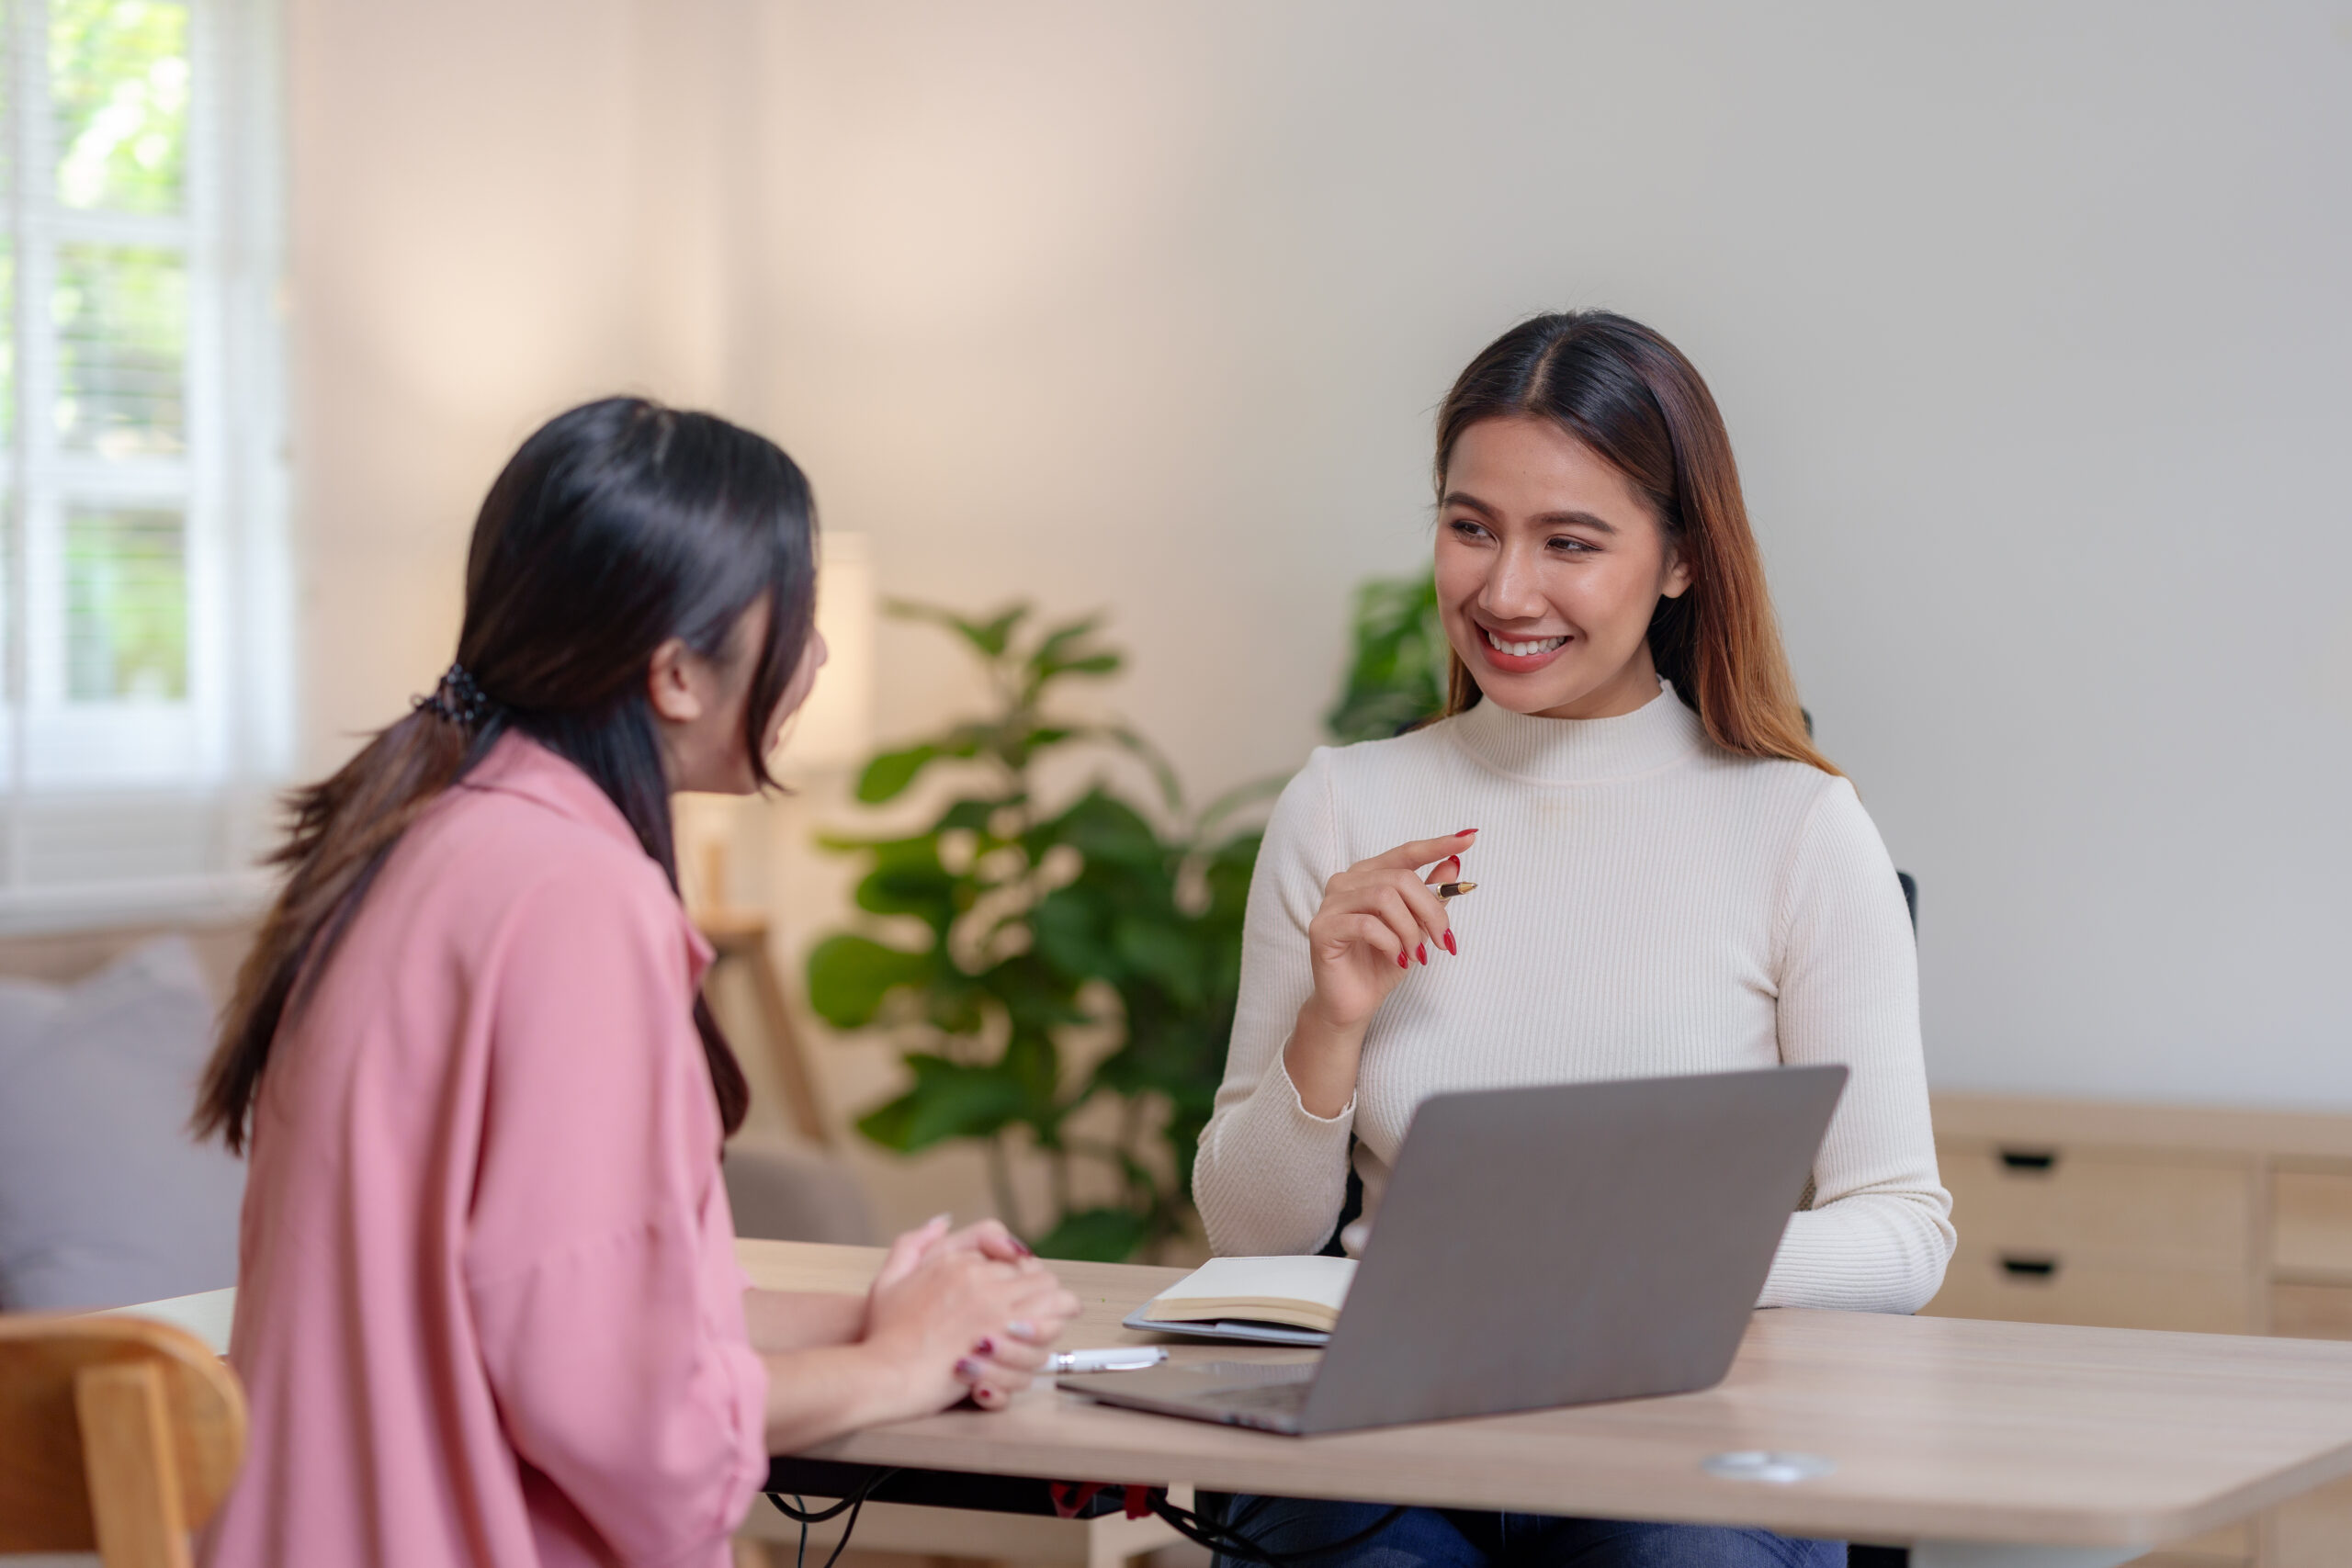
1276	1300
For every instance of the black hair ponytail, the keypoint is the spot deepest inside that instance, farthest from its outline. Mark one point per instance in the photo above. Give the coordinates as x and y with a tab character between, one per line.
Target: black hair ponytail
615	527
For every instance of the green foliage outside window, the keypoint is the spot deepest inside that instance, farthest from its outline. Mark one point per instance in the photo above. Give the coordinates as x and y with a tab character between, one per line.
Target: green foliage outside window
121	319
1023	924
115	320
126	606
119	83
118	91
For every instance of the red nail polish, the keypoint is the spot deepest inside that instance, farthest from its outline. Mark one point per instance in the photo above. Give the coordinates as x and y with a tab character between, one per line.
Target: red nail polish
1022	1248
968	1369
985	1348
1449	943
1465	832
1421	952
1402	962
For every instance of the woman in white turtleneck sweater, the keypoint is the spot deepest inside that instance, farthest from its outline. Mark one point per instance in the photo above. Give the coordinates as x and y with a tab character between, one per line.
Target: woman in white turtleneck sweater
1670	880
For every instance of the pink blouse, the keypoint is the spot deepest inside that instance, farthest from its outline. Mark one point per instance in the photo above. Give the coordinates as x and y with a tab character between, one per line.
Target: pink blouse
489	1310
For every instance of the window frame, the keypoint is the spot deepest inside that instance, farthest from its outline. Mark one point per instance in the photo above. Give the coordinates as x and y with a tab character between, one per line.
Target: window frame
169	823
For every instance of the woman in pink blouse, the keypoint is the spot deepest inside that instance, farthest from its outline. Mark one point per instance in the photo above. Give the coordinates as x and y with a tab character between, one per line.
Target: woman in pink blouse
489	1310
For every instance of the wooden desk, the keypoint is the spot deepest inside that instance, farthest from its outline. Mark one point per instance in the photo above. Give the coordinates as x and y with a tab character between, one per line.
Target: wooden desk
1982	1444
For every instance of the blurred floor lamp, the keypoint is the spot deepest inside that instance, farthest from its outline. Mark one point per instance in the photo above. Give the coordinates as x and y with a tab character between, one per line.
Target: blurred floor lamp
829	735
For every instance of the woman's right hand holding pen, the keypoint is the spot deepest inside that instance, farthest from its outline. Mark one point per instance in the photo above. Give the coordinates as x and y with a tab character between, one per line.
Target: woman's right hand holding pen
1379	920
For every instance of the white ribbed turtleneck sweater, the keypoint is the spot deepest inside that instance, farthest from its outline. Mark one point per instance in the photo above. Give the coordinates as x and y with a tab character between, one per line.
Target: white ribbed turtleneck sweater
1647	904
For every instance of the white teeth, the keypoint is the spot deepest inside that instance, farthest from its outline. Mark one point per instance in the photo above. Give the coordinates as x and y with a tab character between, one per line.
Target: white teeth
1523	649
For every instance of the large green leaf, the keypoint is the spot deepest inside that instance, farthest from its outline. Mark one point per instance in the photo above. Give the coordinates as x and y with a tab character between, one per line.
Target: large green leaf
1065	651
887	776
1057	643
1397	676
949	1099
1031	1060
908	879
955	1003
849	976
990	638
1071	934
1035	994
1161	951
1020	748
971	815
1097	1235
1105	829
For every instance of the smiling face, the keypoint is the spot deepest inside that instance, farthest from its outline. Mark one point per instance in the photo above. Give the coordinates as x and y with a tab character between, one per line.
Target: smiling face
1549	565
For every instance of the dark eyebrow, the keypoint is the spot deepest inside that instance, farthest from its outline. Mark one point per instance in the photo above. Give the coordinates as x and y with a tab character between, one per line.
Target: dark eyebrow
1548	519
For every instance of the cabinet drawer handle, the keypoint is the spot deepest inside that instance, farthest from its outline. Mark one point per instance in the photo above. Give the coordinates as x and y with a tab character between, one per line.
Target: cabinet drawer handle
2028	1267
2030	1159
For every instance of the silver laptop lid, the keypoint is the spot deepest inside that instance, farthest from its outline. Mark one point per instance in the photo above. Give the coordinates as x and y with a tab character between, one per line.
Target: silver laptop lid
1570	1244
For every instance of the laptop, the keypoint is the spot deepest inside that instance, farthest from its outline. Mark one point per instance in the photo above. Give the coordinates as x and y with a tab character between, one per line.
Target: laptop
1540	1248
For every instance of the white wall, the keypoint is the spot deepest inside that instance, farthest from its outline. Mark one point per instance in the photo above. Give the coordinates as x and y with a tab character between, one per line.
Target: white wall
497	211
2030	323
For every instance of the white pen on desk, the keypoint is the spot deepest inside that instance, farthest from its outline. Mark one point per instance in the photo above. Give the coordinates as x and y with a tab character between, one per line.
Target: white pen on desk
1113	1358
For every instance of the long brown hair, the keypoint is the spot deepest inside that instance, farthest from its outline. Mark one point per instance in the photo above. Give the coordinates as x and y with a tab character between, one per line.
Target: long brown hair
616	526
1633	398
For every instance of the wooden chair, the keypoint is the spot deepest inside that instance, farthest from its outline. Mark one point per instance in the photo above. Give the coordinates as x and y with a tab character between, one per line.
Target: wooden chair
740	938
118	1434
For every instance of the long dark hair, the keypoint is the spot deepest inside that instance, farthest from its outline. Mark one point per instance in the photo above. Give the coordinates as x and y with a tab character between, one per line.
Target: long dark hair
1631	396
618	526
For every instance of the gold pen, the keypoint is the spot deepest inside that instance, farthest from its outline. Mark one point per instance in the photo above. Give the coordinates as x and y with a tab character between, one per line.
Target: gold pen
1454	889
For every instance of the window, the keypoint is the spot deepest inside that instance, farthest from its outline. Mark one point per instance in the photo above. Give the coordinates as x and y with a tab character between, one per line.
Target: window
142	582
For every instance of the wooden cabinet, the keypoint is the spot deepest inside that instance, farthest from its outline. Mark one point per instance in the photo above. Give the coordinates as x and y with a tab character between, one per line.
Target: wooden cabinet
2051	1234
2310	1312
2231	1547
2127	1207
2130	1216
2310	1222
2062	1286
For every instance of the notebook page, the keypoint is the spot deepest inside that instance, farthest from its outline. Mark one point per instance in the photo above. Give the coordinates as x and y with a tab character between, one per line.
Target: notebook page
1322	1280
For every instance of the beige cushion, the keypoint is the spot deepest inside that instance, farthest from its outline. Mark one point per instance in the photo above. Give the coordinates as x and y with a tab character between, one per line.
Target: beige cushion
105	1199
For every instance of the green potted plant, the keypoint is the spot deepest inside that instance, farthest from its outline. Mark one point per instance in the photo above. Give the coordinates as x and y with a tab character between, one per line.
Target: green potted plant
1038	919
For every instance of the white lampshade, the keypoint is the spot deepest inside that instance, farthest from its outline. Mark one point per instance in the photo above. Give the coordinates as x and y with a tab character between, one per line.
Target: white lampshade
835	728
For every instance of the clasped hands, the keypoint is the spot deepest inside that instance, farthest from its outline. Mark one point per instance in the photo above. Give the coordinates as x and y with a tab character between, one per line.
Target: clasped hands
970	1312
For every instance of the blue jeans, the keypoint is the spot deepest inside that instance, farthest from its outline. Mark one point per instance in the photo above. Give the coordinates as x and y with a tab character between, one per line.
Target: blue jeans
1452	1538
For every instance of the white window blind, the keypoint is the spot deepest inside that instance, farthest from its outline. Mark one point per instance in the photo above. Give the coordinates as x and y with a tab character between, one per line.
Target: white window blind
145	609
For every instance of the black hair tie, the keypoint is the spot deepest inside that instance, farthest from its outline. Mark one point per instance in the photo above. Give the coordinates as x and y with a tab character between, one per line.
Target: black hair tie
458	700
